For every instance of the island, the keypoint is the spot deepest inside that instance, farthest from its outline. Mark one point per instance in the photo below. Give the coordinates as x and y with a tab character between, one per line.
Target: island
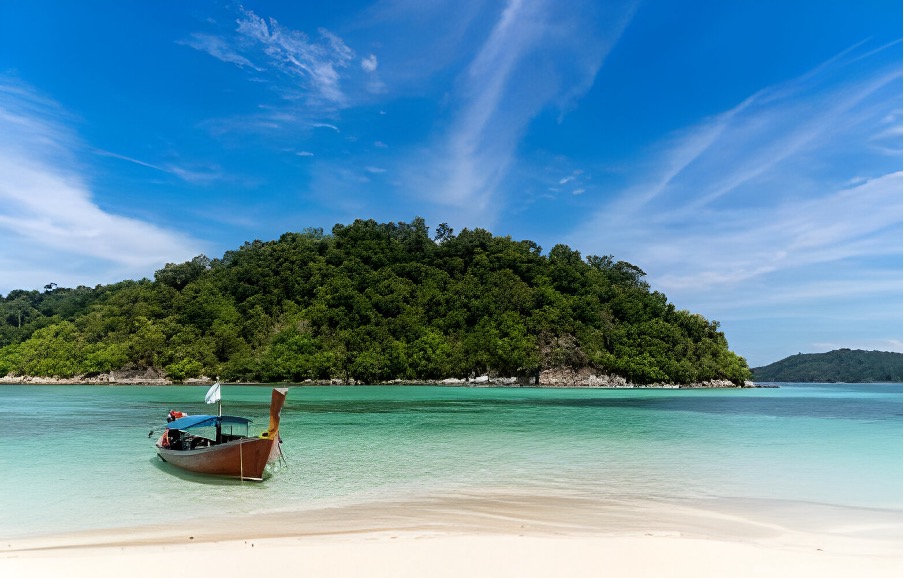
841	365
371	303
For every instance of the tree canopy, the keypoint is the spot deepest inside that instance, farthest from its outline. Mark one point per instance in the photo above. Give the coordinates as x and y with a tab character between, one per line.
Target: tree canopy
370	302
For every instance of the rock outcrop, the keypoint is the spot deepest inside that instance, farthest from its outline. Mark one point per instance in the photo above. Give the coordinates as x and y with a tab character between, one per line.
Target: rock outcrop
142	376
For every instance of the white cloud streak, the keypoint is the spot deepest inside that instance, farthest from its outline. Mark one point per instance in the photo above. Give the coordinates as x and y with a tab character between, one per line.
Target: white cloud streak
50	225
788	193
195	176
846	224
538	55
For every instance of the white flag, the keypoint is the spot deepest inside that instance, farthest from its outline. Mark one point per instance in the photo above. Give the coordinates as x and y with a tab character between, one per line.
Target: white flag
213	394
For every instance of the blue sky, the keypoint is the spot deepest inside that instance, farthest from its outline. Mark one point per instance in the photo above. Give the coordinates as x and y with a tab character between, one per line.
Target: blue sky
747	155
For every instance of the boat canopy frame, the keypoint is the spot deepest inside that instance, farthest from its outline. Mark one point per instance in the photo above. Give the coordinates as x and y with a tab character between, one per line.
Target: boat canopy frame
195	421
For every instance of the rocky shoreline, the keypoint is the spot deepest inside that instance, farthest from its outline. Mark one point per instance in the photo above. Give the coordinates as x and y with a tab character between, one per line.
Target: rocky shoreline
562	377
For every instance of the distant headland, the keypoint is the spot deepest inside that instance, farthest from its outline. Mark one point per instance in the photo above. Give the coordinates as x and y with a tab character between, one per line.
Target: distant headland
840	365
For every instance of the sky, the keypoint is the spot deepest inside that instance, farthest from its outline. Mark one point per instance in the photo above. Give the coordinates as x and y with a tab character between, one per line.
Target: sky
747	155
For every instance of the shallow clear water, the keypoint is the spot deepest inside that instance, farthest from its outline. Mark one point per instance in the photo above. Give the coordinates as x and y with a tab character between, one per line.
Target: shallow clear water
79	457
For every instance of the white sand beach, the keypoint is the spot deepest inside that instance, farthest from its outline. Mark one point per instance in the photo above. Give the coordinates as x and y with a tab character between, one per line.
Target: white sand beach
501	536
408	554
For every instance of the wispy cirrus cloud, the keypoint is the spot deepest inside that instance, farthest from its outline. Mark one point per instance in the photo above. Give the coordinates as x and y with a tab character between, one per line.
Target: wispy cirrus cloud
51	227
262	45
796	189
193	175
538	55
851	223
219	48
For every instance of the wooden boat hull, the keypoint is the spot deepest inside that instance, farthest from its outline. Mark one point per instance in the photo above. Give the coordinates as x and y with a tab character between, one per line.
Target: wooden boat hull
244	458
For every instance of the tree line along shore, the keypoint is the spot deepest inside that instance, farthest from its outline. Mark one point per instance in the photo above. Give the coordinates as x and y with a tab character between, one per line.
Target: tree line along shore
558	377
371	303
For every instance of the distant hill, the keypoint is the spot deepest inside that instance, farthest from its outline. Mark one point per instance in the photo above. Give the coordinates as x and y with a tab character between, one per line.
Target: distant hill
841	365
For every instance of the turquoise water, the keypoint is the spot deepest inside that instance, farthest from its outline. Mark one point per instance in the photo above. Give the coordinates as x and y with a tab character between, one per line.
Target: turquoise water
79	457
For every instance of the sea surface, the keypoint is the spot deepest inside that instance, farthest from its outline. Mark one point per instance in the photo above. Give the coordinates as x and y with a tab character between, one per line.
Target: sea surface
80	457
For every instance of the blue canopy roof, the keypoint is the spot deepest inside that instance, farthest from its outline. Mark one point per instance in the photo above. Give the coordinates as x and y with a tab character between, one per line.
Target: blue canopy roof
190	421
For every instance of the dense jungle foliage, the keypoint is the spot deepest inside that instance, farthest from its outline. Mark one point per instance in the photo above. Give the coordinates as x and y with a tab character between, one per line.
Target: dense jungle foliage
370	302
841	365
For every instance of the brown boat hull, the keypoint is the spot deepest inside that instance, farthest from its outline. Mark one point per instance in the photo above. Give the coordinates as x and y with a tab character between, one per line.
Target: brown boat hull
244	458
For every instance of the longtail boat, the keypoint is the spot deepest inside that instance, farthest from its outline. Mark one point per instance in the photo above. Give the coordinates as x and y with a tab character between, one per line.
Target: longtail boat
219	444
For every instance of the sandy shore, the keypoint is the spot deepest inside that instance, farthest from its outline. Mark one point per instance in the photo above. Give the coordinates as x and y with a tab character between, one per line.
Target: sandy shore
392	554
489	535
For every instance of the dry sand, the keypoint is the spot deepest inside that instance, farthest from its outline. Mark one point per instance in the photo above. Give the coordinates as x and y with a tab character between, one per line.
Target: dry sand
497	535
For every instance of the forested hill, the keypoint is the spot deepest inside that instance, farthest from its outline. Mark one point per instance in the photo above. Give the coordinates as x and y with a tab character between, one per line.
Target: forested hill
369	302
841	365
